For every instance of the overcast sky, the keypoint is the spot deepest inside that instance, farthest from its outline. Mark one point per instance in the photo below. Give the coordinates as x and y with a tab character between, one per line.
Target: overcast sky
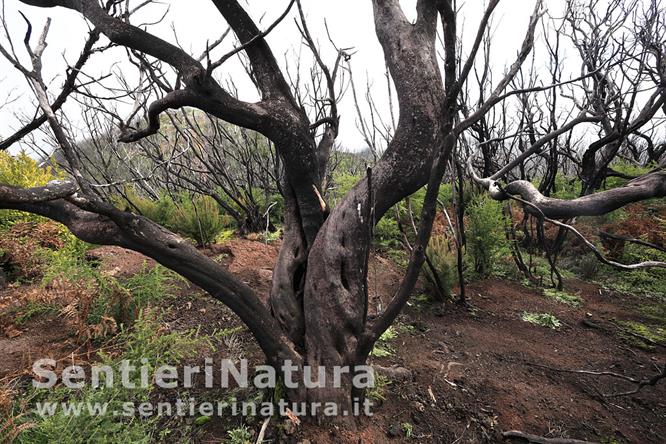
197	21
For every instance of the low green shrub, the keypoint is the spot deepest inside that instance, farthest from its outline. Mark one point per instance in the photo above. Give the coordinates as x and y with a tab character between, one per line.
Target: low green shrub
199	219
23	171
387	233
160	211
147	343
486	240
150	285
239	435
443	259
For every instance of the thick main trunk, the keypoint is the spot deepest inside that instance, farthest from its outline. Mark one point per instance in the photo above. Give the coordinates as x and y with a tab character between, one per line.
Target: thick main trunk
319	292
330	397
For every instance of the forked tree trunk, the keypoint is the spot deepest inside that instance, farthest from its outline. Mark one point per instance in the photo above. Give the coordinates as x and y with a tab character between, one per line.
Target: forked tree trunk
319	294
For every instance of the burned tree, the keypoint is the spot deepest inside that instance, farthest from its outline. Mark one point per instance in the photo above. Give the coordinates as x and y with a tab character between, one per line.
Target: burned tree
317	311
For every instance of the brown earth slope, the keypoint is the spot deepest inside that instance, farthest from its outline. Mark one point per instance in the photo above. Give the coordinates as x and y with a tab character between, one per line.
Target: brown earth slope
473	372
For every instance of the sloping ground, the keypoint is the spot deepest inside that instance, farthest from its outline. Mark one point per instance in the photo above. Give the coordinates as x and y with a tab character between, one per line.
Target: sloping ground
475	371
481	371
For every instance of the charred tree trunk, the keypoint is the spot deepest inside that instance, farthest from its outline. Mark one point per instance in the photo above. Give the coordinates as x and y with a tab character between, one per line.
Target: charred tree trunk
320	293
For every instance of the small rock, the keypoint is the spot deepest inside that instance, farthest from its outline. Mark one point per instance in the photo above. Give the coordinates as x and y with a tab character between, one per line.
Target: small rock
455	371
418	406
395	373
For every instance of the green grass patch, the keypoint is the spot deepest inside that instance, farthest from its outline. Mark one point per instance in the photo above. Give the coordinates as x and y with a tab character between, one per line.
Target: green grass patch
642	282
142	345
541	319
655	312
32	310
239	435
382	347
638	282
69	262
152	284
563	297
642	335
378	390
122	299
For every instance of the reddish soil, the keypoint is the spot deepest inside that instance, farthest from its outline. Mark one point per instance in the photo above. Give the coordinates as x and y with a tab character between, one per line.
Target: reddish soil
21	346
119	262
475	370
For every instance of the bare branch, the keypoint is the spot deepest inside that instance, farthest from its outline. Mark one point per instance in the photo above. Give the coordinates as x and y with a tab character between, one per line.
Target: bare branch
53	190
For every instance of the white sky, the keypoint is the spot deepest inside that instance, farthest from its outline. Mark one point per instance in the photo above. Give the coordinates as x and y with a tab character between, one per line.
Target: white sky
196	21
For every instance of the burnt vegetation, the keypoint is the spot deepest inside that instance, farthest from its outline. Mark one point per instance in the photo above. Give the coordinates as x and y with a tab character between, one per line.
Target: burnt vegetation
546	174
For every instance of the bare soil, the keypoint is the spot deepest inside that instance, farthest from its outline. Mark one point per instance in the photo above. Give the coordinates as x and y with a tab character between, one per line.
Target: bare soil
476	370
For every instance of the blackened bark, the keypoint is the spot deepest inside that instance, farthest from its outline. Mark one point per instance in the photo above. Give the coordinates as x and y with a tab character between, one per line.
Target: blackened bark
335	298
